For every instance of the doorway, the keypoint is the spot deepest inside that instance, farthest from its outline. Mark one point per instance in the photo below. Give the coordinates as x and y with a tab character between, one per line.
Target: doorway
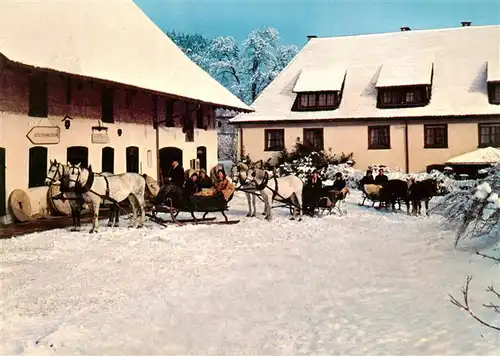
78	154
108	160
132	153
167	156
37	166
3	188
201	154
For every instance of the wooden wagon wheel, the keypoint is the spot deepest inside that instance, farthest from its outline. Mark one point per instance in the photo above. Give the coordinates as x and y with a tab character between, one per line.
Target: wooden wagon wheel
58	206
20	205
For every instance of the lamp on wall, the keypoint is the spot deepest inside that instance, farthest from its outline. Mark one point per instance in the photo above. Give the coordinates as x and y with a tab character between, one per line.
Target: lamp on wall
67	122
120	131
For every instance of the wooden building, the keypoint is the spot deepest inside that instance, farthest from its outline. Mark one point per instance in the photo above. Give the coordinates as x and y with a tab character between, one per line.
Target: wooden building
98	82
407	99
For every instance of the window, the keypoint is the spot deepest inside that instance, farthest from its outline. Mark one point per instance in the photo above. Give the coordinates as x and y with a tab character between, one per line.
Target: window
68	91
37	166
316	101
189	129
132	158
108	160
78	154
199	118
379	137
403	97
313	138
38	96
435	136
274	139
169	113
107	105
494	93
489	135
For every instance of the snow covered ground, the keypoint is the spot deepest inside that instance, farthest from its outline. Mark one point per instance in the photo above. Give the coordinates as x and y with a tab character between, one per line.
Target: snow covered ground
371	283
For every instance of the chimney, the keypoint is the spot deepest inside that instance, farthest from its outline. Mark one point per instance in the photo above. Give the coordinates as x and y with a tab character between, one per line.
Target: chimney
310	37
466	23
404	29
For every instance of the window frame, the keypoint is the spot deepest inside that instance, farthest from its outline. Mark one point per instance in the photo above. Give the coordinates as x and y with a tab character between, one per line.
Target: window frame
493	89
491	135
107	105
38	95
434	127
398	95
314	130
372	146
331	101
266	140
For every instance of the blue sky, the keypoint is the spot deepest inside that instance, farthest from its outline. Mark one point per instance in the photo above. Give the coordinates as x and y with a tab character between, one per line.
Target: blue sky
296	19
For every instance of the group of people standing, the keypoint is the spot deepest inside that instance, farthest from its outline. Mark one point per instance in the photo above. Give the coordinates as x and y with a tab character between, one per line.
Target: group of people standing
198	184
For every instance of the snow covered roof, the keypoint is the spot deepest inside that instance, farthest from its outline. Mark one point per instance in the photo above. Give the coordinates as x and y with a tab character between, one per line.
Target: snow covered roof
112	40
318	79
402	74
482	156
494	70
459	82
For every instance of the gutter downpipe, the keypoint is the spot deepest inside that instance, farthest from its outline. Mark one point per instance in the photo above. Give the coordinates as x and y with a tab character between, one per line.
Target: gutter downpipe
157	134
241	142
407	149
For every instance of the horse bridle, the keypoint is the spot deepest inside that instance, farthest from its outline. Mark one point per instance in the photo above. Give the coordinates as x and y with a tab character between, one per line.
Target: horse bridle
71	171
55	177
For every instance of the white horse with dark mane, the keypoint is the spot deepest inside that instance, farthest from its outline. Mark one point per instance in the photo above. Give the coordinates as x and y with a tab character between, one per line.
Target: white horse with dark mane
286	189
115	188
239	175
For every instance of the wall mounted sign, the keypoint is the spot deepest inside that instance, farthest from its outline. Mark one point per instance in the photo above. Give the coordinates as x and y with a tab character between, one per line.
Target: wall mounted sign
100	137
44	135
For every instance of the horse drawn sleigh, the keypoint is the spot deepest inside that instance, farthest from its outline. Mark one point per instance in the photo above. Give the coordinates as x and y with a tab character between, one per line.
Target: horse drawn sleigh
81	186
288	191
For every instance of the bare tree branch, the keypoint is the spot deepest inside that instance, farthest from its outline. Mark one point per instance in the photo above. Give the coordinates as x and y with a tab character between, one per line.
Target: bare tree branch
492	290
466	307
497	259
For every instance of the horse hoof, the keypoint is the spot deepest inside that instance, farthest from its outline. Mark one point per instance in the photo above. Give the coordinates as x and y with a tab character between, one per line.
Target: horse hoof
110	224
248	215
140	226
292	218
91	231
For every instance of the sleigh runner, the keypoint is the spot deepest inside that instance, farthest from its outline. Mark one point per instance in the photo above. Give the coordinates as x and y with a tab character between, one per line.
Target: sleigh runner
193	204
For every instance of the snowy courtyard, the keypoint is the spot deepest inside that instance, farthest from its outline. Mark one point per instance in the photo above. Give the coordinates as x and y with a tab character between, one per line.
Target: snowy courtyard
368	283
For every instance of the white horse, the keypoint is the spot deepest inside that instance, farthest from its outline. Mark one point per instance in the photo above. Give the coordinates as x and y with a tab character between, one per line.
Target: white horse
115	188
285	189
239	175
57	171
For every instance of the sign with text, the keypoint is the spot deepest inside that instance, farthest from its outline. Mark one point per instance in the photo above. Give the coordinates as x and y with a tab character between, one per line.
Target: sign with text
100	136
44	135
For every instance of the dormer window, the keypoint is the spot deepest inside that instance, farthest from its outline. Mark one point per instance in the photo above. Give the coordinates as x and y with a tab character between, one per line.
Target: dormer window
319	89
317	101
493	79
397	97
494	93
405	85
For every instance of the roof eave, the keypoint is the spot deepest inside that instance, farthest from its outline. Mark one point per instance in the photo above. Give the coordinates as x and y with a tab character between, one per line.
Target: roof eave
246	109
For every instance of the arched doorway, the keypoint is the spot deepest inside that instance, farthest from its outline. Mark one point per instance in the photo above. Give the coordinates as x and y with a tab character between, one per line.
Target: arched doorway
167	156
132	153
108	160
78	154
3	188
37	166
201	154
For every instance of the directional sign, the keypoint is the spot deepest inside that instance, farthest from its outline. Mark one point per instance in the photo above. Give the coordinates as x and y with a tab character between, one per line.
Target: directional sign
44	135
